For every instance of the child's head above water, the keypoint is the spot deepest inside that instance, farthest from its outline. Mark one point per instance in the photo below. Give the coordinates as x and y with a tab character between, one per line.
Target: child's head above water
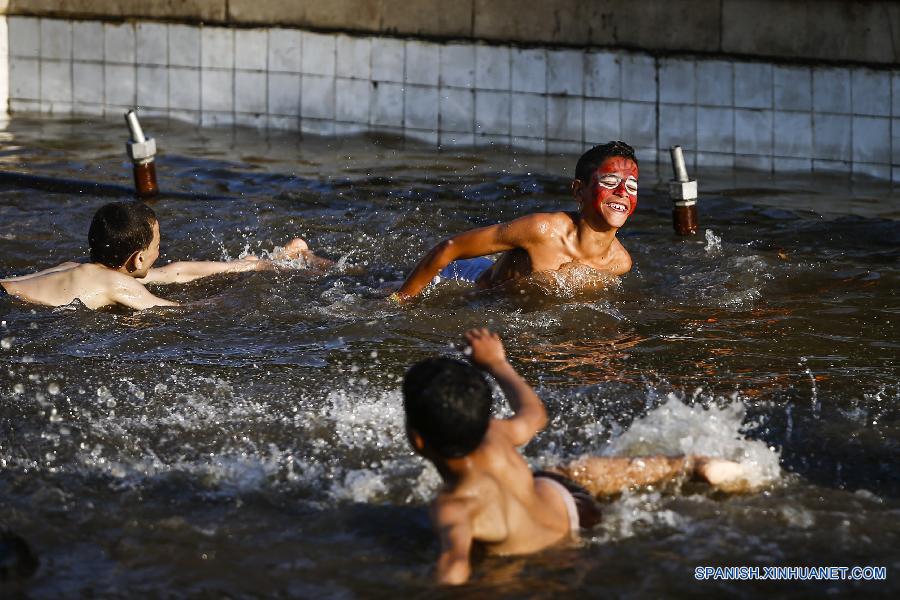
606	178
124	234
448	404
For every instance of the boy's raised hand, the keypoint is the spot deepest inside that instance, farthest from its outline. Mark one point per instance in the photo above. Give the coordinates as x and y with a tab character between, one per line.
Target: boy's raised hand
487	349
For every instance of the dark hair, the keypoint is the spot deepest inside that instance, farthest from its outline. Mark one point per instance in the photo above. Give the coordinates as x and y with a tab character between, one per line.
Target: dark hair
448	402
591	159
118	230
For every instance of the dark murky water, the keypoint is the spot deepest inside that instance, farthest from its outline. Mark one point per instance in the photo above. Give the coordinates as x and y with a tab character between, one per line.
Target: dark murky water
250	443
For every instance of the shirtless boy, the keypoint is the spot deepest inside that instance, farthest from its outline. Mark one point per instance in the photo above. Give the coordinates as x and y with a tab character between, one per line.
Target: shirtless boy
605	188
490	496
124	244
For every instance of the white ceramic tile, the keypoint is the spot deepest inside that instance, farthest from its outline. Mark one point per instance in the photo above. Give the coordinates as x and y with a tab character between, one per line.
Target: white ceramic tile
646	156
752	85
422	62
602	121
895	94
56	81
457	110
753	132
216	90
421	136
317	126
872	170
639	124
24	78
251	49
24	36
354	57
870	92
831	166
87	82
560	148
456	139
283	123
565	72
492	68
388	57
831	137
678	126
352	100
529	70
258	121
212	118
871	140
316	97
565	117
793	134
284	94
677	81
119	83
492	112
457	65
499	142
638	78
118	43
792	165
184	46
715	82
25	106
349	129
318	54
602	75
714	160
152	87
528	115
250	91
792	88
715	129
184	89
284	50
529	144
387	104
152	40
56	107
895	141
831	90
56	39
87	40
189	117
753	163
421	107
86	109
895	175
217	47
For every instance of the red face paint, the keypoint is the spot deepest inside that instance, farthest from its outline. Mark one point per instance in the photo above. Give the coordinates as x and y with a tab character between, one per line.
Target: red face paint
614	183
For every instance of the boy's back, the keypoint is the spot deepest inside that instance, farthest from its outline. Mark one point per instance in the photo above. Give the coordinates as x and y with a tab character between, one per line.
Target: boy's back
507	509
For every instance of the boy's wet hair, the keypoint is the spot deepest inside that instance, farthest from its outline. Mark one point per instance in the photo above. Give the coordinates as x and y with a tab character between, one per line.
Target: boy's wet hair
591	159
118	230
448	402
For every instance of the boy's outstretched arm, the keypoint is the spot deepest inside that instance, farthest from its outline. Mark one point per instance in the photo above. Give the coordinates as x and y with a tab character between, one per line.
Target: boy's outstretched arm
189	270
488	354
451	521
478	242
132	294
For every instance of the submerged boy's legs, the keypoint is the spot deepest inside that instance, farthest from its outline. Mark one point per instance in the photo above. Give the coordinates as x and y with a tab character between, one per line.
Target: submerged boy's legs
607	476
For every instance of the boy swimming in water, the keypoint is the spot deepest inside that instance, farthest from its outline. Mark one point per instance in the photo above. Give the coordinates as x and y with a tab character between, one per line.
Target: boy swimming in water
605	188
490	496
124	243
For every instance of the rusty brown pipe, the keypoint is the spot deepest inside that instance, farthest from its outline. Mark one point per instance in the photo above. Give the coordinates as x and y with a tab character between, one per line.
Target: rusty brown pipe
683	192
142	152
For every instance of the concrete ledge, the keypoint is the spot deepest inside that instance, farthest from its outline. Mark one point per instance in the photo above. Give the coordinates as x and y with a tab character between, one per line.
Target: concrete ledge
840	31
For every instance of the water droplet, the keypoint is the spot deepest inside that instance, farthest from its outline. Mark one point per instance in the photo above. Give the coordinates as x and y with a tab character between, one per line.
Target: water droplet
6	343
53	388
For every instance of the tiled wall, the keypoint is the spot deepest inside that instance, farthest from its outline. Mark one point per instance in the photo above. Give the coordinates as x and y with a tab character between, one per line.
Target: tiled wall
725	113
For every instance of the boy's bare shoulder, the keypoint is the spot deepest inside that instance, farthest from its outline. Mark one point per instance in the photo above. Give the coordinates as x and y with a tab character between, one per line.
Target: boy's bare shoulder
544	224
620	261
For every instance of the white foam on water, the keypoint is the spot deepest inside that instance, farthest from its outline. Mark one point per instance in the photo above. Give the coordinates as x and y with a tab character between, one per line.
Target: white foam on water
368	418
675	428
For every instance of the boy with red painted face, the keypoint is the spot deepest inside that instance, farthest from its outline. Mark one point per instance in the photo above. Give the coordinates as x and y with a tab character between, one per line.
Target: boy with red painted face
605	187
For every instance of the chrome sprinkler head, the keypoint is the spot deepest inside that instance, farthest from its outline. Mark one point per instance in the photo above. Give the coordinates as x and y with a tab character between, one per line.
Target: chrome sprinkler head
137	133
140	148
